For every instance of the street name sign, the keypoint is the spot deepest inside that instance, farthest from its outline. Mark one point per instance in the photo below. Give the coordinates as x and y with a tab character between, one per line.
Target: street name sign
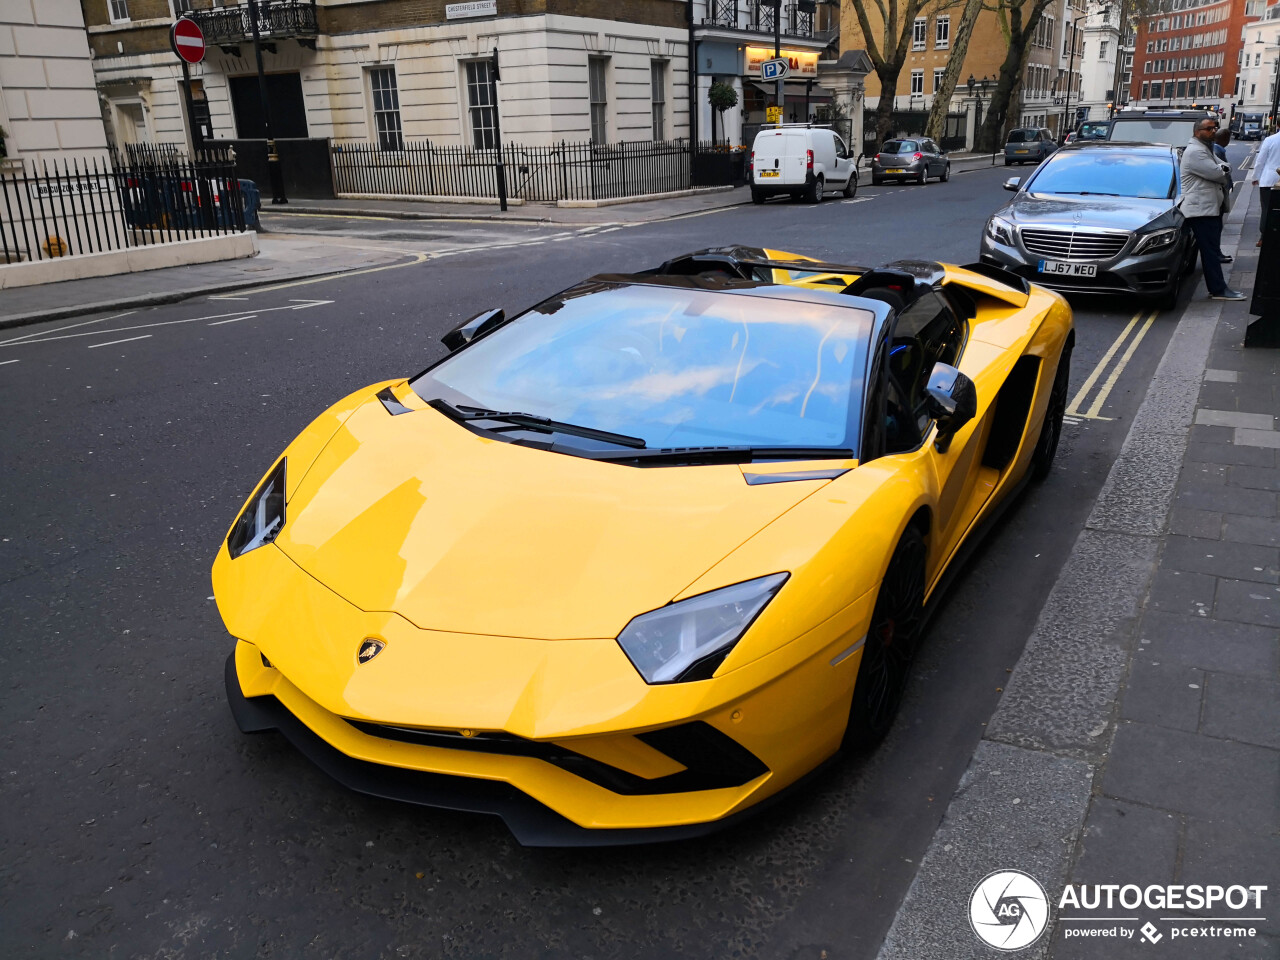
776	69
187	40
474	8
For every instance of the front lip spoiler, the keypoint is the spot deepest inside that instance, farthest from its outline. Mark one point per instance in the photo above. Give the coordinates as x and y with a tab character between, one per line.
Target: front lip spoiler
532	823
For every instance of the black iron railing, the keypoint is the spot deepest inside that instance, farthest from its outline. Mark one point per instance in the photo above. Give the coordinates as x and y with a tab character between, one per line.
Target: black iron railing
277	20
758	17
62	208
564	171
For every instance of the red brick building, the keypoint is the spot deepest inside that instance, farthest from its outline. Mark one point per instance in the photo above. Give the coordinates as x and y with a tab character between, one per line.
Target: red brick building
1189	55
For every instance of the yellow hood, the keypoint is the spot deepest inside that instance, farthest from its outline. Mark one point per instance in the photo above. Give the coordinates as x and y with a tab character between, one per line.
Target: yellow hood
416	515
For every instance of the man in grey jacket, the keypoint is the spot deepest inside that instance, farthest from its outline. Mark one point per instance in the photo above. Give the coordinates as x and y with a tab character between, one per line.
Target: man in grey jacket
1204	179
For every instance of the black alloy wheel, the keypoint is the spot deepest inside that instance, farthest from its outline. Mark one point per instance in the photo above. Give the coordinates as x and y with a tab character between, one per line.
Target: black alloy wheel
890	645
1051	429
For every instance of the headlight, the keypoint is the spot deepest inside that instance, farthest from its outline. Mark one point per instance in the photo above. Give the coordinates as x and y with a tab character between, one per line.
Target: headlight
1157	240
1000	230
262	518
687	640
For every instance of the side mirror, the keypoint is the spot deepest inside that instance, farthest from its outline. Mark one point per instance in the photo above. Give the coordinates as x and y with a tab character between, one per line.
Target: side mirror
1013	183
952	400
468	330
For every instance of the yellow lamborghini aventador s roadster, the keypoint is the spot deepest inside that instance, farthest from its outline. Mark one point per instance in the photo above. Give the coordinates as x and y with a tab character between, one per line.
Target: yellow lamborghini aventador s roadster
626	565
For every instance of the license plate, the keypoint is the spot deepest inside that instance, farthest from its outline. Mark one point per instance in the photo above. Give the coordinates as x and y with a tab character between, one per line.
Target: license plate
770	173
894	171
1022	151
1058	268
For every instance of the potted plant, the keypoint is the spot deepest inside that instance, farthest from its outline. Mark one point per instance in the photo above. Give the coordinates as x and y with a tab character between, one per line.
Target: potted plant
722	97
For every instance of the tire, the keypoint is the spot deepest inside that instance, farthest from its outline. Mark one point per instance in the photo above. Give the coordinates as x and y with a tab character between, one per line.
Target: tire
923	177
757	196
946	173
876	181
813	190
1051	429
890	645
1008	162
1169	299
851	185
1193	251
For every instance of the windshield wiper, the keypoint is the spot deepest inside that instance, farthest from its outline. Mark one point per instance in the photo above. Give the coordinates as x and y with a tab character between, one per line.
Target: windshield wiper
1093	193
464	413
734	454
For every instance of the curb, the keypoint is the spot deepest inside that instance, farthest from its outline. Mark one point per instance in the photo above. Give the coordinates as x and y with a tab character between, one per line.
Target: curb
158	299
1024	797
408	214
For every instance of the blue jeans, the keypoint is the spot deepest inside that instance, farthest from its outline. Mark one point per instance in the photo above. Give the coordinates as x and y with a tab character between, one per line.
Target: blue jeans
1208	234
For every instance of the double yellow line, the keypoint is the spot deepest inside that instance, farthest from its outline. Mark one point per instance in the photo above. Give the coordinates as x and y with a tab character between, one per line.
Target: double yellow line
1075	408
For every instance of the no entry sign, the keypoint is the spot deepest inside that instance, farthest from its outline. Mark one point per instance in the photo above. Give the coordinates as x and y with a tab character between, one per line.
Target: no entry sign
187	40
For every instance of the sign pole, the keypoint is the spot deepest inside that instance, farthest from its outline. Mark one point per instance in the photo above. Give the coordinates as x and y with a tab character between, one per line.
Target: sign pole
193	129
497	134
777	55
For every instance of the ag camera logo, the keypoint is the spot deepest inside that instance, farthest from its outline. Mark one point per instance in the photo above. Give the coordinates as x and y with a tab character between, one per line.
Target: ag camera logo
1008	910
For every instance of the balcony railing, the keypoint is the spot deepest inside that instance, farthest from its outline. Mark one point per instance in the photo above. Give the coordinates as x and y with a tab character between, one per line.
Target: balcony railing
759	17
277	20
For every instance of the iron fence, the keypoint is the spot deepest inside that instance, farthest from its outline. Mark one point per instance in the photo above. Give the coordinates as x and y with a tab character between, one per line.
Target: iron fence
564	171
62	208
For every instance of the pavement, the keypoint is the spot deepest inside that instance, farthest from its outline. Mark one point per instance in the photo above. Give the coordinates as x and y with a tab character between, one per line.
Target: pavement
1138	738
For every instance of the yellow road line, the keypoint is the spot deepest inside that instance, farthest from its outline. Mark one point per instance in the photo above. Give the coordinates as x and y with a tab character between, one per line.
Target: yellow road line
1119	367
1074	408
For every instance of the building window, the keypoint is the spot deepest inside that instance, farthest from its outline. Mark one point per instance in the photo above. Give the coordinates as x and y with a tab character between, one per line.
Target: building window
942	33
599	97
1157	90
917	82
180	8
938	74
1102	50
658	97
386	108
118	10
480	105
1145	88
920	29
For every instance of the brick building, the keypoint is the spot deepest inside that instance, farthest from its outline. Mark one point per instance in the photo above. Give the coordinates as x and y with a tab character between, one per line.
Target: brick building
392	70
1189	55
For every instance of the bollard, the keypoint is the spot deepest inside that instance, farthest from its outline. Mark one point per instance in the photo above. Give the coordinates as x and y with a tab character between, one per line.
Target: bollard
1265	331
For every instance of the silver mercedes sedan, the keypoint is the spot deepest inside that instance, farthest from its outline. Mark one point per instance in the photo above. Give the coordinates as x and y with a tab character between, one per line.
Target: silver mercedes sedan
1097	217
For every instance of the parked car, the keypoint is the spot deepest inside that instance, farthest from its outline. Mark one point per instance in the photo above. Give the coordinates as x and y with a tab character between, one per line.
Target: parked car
1096	217
1250	131
800	160
1093	130
1028	145
165	200
1174	127
917	158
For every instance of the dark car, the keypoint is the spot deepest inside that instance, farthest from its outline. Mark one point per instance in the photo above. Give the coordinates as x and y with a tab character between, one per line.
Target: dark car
1174	127
1097	217
910	158
1093	130
1028	145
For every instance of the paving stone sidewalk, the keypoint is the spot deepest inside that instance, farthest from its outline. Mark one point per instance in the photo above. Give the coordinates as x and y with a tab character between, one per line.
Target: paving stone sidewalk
1138	741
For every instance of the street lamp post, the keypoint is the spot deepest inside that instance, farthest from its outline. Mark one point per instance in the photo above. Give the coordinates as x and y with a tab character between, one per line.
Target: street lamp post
273	159
1071	66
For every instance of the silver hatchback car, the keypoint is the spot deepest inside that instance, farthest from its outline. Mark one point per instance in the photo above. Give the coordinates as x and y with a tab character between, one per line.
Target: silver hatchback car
1097	217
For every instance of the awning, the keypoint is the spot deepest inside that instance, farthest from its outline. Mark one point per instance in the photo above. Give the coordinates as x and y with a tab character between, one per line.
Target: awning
794	90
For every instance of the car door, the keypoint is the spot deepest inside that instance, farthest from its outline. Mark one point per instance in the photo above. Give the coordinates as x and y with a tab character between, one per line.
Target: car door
935	161
844	163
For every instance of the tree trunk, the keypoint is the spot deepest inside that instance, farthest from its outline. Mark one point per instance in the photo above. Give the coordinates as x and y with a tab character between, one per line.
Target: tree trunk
942	96
1010	73
888	75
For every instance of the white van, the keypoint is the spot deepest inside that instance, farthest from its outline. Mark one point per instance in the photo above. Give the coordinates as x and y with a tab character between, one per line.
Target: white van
800	160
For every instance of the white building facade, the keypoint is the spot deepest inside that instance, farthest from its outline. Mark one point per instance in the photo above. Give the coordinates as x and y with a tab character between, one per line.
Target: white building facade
48	101
1259	56
374	70
1100	54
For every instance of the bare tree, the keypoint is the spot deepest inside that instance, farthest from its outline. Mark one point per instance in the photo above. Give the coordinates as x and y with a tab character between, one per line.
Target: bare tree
888	49
942	94
1018	20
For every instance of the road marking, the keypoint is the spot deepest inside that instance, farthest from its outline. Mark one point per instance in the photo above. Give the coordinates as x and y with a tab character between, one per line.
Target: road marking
171	323
857	200
1119	367
3	362
228	298
1074	407
70	326
112	343
218	323
417	259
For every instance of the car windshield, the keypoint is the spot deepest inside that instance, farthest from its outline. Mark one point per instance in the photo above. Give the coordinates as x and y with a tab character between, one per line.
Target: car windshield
1176	131
1107	173
1021	136
900	146
674	366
